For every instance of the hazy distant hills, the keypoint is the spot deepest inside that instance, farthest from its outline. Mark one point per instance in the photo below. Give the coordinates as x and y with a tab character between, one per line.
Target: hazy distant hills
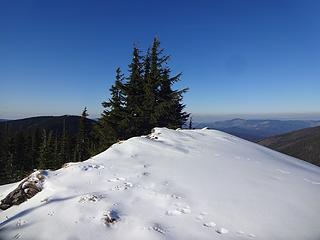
50	123
303	144
254	130
300	139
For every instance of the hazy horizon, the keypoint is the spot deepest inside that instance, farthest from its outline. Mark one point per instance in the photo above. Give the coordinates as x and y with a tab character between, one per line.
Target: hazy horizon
207	117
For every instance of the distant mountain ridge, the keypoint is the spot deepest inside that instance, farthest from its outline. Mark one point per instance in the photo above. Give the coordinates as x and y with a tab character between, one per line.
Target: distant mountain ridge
255	130
50	123
303	144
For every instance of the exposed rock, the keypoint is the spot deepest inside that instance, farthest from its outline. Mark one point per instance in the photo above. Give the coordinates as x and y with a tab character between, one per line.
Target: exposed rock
28	188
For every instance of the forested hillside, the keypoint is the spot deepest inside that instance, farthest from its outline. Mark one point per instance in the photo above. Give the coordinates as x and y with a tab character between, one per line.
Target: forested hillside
138	102
41	142
303	144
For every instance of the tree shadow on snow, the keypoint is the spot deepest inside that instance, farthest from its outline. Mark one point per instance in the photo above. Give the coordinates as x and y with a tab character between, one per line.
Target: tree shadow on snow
27	211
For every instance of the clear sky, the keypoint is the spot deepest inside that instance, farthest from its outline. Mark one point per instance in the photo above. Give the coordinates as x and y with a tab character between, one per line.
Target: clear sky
237	57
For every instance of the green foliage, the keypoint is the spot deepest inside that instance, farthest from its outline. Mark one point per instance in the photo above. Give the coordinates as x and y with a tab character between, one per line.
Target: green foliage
82	149
146	100
143	100
23	151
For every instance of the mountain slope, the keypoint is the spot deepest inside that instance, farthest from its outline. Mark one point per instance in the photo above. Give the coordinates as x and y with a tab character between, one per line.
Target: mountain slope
303	144
254	130
184	184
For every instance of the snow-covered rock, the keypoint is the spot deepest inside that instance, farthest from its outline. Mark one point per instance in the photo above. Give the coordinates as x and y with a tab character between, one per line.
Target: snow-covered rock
183	184
28	187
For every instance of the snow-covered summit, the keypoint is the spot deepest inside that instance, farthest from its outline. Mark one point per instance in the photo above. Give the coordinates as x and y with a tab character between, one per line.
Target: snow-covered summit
184	184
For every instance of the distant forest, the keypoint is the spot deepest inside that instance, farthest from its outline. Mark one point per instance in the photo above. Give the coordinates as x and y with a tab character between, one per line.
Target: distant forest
139	102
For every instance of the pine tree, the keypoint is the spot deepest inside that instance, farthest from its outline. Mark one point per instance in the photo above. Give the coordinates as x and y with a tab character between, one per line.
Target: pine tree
46	153
112	126
145	101
19	163
169	111
55	155
35	148
150	81
42	150
83	138
190	123
134	91
6	157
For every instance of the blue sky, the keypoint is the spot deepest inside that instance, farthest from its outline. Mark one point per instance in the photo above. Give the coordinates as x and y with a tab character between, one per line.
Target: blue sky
258	58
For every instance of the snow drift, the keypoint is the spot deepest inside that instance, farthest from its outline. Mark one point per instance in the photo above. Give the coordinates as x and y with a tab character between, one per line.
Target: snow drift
184	184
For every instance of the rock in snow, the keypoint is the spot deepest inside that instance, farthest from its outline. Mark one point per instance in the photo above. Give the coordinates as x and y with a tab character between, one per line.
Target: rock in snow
183	184
28	187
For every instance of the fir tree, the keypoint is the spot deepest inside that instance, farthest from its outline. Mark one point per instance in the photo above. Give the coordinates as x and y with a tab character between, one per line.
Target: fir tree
190	123
169	110
112	126
83	138
19	161
46	152
150	88
134	91
6	157
145	101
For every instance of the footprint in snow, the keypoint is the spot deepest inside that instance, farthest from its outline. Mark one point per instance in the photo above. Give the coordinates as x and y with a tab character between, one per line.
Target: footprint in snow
20	223
312	182
159	228
91	198
175	196
219	230
91	167
201	216
178	211
122	187
222	230
117	179
209	224
146	174
282	171
51	213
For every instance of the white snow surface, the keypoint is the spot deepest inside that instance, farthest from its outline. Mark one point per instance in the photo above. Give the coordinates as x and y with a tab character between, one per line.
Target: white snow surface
174	184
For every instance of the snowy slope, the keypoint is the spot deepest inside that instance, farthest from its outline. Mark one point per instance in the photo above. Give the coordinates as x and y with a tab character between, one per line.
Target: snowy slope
184	184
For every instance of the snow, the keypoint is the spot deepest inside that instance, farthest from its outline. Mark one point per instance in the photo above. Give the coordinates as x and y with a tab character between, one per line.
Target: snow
173	184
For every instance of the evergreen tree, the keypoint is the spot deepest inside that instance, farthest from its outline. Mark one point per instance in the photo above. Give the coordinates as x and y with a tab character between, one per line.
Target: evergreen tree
35	148
170	109
83	138
19	154
6	157
46	153
145	101
112	126
42	150
134	92
63	151
56	158
150	88
190	123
